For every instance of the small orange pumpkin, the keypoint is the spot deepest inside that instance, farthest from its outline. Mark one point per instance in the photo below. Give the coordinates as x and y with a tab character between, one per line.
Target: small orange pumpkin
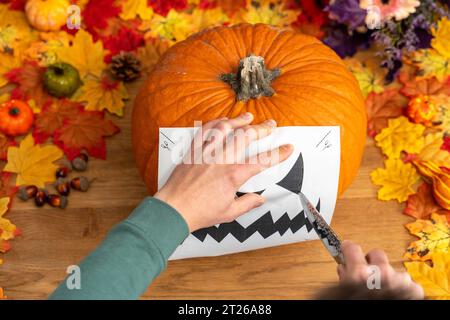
296	80
16	117
47	15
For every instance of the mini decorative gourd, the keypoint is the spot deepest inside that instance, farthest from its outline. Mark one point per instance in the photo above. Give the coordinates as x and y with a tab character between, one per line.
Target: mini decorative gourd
16	117
47	15
271	72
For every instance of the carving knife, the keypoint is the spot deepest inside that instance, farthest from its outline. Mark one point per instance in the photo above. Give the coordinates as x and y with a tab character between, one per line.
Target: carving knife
328	237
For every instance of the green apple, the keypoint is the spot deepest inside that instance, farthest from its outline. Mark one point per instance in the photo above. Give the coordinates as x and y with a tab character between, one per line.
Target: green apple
61	79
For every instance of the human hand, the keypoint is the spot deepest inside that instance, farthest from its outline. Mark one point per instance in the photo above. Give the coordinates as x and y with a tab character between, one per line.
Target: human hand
205	194
371	277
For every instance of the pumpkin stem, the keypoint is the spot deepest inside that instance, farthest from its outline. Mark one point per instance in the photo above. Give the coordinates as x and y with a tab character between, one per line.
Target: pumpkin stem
252	79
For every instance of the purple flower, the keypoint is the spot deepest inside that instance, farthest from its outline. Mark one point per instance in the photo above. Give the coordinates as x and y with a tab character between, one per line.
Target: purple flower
347	12
342	42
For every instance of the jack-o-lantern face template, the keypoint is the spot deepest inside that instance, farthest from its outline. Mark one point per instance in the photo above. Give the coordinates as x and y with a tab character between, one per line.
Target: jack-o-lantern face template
265	225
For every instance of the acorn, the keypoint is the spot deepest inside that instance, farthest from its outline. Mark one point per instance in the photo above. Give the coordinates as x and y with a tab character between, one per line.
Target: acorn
80	184
57	201
41	197
63	187
62	172
80	162
27	192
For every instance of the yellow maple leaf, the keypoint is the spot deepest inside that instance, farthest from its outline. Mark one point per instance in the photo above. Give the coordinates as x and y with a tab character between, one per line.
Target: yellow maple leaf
6	227
15	32
84	54
45	51
103	94
202	19
366	69
400	135
442	102
32	163
435	280
396	180
430	64
432	150
133	8
7	62
268	12
441	37
434	237
176	26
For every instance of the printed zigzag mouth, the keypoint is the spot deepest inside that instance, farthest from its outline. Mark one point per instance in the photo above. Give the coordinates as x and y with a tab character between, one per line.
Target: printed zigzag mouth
265	226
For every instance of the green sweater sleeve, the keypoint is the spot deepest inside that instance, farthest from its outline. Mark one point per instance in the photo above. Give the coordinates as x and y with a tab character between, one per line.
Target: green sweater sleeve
132	255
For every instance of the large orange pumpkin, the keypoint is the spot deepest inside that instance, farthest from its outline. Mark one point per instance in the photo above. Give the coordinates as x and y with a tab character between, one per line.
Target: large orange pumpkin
300	82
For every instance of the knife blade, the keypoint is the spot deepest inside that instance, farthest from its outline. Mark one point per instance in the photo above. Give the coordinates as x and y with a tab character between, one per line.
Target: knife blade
326	234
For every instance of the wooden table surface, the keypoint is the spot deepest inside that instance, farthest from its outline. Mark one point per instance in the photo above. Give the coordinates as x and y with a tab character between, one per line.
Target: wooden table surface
53	239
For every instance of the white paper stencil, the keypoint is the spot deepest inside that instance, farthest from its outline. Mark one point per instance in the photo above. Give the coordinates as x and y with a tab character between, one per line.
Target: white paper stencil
314	163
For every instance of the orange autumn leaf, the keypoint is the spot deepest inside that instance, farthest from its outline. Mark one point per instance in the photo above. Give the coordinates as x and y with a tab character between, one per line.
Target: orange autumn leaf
30	84
52	117
433	151
422	204
434	237
85	131
413	87
382	107
5	246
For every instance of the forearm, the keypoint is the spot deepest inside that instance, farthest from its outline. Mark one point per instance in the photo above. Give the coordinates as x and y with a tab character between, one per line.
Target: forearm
131	256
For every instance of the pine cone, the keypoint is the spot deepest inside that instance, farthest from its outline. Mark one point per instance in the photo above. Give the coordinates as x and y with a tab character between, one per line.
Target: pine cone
125	66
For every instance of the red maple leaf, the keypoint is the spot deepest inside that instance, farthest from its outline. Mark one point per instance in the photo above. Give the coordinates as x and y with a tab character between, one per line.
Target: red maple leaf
15	4
30	85
5	143
446	144
125	40
52	117
381	107
413	87
163	7
5	246
96	14
85	131
422	204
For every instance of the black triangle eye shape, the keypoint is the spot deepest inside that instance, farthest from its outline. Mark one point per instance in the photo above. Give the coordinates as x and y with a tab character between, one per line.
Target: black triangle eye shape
293	181
240	194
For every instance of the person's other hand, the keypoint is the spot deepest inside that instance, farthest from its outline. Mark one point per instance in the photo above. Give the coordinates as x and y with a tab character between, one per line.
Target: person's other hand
371	276
205	194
